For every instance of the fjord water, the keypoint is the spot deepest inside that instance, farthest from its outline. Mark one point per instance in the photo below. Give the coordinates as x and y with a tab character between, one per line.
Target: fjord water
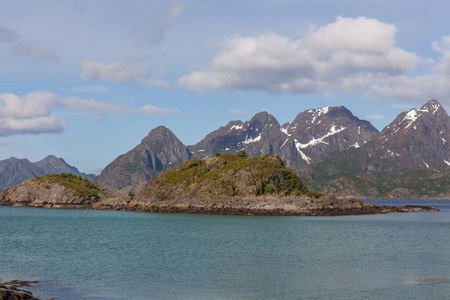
85	254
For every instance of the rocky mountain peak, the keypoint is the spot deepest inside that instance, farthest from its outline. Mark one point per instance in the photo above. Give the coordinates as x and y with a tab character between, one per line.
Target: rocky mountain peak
420	137
315	133
13	171
434	107
260	121
415	120
314	116
158	151
54	165
158	133
238	135
312	135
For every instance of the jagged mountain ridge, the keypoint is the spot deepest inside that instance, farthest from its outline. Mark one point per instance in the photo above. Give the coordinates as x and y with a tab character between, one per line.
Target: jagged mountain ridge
263	130
416	140
312	136
14	171
321	145
316	133
160	150
422	135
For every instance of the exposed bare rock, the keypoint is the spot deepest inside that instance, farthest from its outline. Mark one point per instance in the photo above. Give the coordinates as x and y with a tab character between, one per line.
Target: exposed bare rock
157	152
14	171
57	191
13	292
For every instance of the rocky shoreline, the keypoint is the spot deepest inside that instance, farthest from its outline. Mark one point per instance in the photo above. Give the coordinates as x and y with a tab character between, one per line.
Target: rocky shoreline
11	290
224	185
249	206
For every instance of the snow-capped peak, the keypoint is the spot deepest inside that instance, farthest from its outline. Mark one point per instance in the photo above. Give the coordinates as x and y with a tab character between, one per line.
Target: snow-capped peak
318	112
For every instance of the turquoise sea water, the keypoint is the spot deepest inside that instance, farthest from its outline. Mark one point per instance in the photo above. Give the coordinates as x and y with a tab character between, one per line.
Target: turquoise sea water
83	254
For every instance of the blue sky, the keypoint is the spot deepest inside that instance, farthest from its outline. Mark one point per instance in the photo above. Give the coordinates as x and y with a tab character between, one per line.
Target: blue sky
87	80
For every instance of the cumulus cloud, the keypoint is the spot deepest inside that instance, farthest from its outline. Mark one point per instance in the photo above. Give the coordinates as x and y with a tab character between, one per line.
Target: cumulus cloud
338	56
22	48
34	125
29	114
350	55
119	72
32	113
154	35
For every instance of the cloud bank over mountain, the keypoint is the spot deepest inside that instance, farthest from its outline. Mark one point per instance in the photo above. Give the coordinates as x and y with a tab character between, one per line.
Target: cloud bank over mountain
350	55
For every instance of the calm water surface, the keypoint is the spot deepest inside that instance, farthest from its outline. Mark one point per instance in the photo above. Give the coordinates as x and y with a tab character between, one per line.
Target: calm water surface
83	254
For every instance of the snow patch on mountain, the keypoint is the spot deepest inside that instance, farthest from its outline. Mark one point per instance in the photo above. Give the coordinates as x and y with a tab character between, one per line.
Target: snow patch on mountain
237	127
249	140
320	111
285	131
303	155
315	141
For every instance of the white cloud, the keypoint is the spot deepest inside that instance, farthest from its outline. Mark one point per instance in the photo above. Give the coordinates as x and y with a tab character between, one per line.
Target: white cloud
119	72
237	112
32	113
154	35
336	57
19	47
29	106
350	55
32	125
375	117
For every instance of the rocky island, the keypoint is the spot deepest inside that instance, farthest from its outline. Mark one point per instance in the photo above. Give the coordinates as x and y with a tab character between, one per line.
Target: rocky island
221	184
12	290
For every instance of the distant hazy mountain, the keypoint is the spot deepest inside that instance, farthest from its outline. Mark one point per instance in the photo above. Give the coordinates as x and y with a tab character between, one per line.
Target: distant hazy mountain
160	150
14	171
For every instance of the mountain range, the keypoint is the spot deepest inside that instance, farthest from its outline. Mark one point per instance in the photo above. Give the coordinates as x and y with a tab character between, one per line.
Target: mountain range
14	171
408	158
330	148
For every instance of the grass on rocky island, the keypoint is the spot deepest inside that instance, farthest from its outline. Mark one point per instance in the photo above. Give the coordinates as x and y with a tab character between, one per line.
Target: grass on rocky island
79	186
269	171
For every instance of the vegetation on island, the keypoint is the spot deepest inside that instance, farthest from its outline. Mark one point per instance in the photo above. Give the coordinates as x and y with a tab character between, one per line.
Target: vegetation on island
225	175
79	186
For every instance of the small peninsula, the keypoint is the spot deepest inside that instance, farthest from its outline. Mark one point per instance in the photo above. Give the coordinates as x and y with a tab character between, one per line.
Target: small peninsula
221	184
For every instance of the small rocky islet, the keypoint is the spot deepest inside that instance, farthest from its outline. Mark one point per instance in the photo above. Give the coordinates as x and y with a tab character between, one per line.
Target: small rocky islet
12	290
221	184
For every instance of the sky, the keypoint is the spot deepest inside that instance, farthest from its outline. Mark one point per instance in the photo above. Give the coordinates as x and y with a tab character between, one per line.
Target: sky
87	80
